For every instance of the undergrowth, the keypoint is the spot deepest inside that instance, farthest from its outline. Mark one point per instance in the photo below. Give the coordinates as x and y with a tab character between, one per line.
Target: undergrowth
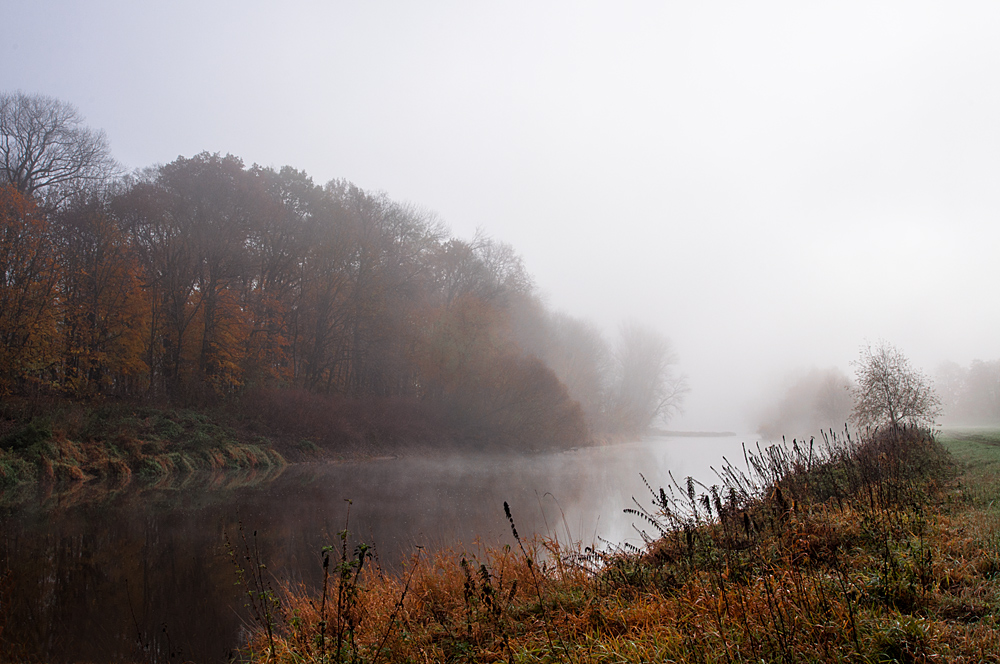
844	549
73	442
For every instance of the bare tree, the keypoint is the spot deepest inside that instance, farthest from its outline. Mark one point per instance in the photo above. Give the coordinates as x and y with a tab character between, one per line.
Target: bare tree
646	386
485	268
889	391
44	146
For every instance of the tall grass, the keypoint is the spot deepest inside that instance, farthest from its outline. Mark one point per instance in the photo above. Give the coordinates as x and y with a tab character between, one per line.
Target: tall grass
841	549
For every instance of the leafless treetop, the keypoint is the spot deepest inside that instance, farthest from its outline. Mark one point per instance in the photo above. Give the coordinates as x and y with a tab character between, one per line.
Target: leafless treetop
44	145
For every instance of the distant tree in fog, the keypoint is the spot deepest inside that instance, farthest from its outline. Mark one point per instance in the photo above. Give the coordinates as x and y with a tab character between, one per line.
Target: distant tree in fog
487	269
646	386
818	400
970	395
889	391
982	391
582	360
949	379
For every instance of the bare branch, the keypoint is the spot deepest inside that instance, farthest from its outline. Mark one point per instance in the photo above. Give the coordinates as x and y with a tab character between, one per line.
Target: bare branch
45	147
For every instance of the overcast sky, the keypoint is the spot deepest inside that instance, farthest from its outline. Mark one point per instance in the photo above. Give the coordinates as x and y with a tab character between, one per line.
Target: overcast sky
769	184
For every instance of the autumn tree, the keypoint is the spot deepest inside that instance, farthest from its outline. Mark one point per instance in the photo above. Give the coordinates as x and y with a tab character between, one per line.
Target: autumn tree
485	269
45	147
575	350
278	239
387	275
474	286
582	360
888	391
28	279
520	401
102	306
164	247
215	202
319	318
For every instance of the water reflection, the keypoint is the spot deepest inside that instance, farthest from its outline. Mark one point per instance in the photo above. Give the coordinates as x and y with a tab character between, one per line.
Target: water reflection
146	575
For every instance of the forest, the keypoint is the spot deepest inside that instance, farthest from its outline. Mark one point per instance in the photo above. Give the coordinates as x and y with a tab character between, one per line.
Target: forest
205	282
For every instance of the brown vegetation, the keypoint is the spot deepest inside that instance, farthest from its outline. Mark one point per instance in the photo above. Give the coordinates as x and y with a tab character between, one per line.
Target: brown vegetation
54	440
846	550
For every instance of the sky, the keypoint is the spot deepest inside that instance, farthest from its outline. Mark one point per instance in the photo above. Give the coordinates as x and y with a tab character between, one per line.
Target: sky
770	184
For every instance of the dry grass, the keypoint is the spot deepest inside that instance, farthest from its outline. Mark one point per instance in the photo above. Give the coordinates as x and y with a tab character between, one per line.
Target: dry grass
65	442
845	550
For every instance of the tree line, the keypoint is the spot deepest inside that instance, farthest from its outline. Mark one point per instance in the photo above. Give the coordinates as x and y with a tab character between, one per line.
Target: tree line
971	394
886	392
205	279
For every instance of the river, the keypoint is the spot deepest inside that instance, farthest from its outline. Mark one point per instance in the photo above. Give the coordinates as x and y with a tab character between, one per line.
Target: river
146	574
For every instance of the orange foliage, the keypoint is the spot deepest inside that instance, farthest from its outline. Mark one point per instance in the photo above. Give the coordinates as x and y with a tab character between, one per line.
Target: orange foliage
104	311
28	276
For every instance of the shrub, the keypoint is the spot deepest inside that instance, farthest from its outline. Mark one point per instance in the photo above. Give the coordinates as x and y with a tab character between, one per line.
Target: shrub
33	433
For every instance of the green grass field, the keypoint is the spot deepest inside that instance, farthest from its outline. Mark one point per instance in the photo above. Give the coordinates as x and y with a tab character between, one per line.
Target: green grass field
977	451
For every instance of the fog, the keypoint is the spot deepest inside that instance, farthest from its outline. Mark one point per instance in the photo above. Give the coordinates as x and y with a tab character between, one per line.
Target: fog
769	185
805	405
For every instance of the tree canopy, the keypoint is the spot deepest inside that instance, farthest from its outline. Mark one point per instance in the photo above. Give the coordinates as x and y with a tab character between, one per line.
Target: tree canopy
888	391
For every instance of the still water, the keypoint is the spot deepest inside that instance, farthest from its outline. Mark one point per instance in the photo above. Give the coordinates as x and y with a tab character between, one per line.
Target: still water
145	574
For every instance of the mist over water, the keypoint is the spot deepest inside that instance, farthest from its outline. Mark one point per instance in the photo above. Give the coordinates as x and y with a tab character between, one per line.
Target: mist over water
100	577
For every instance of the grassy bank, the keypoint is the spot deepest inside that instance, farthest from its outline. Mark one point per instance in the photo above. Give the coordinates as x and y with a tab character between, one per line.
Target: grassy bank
62	441
53	439
882	549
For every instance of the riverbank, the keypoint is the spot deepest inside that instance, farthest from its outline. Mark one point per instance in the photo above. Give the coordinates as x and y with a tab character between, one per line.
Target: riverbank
67	442
62	441
877	550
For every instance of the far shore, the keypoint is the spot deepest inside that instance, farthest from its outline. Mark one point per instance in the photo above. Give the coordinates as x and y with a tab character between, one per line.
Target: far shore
663	433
